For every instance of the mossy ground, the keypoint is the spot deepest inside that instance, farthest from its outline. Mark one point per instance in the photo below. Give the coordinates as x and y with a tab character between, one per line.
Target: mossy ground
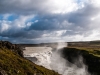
93	51
13	64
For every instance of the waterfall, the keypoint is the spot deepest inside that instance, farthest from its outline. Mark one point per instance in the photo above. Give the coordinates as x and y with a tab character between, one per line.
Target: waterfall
52	59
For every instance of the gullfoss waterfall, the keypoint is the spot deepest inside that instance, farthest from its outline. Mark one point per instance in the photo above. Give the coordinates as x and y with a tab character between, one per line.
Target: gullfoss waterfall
52	58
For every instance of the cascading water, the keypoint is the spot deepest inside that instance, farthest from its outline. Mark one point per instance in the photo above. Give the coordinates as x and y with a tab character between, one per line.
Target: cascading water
52	59
39	55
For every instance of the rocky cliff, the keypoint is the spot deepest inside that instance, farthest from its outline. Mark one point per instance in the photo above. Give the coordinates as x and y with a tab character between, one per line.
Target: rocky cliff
12	62
91	58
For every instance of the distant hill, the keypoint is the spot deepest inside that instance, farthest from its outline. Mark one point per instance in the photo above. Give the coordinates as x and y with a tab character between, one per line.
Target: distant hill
95	43
88	44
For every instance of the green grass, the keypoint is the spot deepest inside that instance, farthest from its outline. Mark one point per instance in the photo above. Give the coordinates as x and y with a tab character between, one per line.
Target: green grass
13	64
94	51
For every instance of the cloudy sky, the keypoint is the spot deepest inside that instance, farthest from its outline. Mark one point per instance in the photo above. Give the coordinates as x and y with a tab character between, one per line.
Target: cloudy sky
40	21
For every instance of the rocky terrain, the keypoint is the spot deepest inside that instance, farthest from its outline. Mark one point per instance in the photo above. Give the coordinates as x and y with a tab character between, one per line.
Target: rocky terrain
12	62
90	51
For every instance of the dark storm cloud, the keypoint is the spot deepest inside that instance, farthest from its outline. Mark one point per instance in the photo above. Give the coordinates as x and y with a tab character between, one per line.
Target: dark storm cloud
48	24
15	6
22	34
77	21
24	7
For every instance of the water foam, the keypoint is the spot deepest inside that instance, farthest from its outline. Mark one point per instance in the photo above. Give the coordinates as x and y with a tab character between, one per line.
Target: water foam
52	59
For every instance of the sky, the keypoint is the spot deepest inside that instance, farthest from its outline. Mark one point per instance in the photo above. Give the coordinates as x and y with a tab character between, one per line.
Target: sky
43	21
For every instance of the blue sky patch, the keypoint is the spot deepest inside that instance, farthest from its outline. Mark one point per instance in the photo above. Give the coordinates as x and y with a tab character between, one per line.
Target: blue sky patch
1	17
12	17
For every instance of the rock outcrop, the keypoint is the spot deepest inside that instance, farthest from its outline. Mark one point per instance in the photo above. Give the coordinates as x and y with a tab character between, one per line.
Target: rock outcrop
90	59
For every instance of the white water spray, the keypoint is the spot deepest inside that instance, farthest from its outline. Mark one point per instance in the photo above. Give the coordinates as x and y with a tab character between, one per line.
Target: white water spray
52	59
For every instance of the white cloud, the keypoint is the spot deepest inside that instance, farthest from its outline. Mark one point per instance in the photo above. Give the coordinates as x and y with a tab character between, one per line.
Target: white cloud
43	6
93	36
62	6
16	25
4	26
20	22
63	20
95	2
54	33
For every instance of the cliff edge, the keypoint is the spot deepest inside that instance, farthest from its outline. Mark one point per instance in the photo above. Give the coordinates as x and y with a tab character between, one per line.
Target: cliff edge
12	62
